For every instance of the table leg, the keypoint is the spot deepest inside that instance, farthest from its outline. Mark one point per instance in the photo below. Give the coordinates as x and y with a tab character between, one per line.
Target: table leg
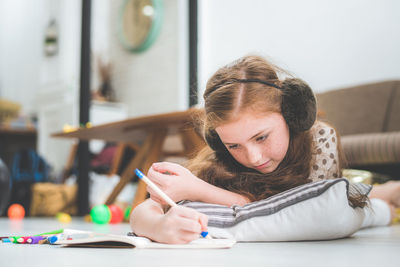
119	152
152	142
153	155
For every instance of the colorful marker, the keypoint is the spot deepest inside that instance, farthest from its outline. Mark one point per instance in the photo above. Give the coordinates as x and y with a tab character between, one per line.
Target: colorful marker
58	231
34	239
14	239
43	241
162	195
52	239
22	239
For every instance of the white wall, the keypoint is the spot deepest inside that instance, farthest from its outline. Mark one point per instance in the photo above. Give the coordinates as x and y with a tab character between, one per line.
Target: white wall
44	86
153	81
149	82
329	44
21	27
24	69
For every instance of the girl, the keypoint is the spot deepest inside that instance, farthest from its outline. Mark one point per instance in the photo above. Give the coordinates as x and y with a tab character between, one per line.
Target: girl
263	139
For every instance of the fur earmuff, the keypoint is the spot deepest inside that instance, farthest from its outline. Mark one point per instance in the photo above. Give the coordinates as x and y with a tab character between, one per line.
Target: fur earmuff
298	105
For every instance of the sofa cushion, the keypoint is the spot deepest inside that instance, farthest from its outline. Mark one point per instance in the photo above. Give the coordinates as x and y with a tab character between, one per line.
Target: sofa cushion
393	116
374	148
362	109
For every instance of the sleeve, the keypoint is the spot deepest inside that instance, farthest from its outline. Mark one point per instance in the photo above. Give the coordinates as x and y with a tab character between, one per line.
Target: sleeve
376	214
325	158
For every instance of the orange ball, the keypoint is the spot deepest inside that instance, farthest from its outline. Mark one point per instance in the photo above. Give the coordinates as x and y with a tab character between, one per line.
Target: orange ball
16	212
116	214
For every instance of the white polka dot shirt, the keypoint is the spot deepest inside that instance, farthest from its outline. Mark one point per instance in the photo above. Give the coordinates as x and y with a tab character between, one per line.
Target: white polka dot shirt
325	155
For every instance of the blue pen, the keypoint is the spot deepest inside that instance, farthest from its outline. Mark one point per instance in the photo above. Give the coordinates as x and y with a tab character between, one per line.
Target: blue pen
162	194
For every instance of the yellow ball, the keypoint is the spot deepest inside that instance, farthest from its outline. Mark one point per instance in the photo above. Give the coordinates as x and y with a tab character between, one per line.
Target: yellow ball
67	128
63	217
87	218
397	210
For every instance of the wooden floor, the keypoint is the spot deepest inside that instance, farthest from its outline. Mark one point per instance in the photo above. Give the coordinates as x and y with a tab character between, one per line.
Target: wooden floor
376	247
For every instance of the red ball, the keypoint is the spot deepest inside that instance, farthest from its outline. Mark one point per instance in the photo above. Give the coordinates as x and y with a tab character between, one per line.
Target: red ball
16	212
116	214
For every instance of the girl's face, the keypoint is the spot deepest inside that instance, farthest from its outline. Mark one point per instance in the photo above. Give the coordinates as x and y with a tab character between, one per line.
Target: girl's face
256	140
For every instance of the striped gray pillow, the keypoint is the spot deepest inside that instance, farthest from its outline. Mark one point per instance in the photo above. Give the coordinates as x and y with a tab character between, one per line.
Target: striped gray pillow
224	217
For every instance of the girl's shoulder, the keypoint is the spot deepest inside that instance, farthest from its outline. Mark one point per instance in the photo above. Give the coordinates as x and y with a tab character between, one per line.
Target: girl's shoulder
323	132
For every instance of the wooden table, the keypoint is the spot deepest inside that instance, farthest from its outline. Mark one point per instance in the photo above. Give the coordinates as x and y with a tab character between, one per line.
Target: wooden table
149	132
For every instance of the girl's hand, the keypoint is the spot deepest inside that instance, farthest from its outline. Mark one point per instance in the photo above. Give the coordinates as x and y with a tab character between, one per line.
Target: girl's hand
389	192
180	225
174	180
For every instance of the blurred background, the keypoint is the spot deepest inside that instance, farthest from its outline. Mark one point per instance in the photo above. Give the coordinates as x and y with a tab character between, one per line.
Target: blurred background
329	44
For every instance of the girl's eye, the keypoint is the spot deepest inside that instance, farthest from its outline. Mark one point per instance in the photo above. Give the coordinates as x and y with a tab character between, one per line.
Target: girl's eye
233	146
261	138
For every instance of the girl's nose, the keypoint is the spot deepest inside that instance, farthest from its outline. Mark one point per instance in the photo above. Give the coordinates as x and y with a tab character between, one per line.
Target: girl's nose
254	155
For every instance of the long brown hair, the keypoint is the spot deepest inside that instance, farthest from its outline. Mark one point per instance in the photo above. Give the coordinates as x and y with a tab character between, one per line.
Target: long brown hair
224	100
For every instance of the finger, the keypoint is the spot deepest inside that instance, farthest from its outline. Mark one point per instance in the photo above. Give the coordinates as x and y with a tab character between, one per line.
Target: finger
156	199
203	220
396	193
198	218
190	226
187	237
167	168
392	212
180	239
188	213
156	177
155	196
189	219
151	191
396	202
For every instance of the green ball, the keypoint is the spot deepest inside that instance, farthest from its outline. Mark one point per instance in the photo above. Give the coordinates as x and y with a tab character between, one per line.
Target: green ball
100	214
127	213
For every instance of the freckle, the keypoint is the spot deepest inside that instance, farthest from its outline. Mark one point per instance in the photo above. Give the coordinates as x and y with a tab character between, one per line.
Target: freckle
327	145
321	176
331	156
334	161
333	139
319	150
324	161
315	167
332	131
321	132
335	175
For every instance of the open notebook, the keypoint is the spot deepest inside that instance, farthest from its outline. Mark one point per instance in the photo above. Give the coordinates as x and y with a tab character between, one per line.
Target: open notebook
92	239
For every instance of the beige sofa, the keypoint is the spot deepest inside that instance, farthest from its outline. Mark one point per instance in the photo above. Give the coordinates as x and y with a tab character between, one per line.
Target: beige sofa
368	119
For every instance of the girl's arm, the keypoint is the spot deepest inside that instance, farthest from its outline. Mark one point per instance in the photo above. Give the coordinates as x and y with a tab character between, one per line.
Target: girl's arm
180	184
178	225
326	163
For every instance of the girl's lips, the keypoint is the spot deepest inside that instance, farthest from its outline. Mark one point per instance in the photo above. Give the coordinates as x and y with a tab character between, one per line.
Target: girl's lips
262	166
